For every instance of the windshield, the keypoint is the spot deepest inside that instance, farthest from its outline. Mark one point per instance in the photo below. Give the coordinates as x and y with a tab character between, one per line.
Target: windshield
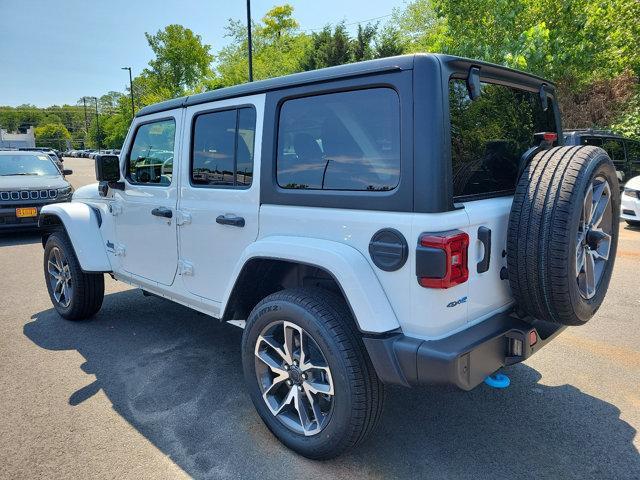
27	165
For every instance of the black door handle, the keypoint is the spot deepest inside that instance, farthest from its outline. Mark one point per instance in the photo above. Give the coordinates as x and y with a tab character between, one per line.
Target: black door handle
484	235
230	220
162	212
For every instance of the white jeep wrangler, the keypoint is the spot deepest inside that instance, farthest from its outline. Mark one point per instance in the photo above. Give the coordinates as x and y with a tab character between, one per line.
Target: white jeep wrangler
410	220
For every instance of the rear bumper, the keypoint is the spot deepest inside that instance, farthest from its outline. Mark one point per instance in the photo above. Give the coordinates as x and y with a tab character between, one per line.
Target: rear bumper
463	359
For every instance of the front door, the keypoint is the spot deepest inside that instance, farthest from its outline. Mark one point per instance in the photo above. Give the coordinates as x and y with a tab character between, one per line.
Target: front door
219	197
145	210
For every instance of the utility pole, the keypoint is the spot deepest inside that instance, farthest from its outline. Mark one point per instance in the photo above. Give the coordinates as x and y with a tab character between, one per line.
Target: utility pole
97	123
249	44
133	109
86	121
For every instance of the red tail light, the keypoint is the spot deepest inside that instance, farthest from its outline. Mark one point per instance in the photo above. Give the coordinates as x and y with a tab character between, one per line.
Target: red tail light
441	259
550	137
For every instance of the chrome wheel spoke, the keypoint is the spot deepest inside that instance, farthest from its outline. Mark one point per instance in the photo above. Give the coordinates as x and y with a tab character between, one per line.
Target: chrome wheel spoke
53	269
294	378
601	196
594	237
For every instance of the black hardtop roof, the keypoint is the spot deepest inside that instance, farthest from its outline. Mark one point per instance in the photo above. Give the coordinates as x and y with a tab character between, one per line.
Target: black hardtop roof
398	63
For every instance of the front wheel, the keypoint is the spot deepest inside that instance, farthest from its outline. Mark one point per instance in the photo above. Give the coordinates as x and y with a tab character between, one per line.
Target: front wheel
308	372
75	295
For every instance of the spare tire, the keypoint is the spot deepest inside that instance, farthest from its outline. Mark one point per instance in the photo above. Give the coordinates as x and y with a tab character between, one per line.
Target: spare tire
563	234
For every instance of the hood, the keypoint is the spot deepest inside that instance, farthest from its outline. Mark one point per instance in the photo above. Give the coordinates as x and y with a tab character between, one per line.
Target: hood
35	182
634	183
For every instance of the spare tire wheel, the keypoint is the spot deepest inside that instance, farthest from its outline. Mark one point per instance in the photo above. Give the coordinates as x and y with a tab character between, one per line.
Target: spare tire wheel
563	234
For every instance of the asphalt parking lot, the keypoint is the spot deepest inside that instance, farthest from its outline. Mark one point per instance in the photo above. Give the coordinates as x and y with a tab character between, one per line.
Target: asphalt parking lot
150	389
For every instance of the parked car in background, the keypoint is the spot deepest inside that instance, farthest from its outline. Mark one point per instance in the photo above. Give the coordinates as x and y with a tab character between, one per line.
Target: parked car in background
624	152
630	203
28	182
47	151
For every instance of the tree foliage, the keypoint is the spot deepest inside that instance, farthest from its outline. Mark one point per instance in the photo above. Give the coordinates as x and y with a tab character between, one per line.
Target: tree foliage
52	135
588	47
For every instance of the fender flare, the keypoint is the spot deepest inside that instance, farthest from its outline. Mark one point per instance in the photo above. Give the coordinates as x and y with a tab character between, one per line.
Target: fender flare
82	225
353	273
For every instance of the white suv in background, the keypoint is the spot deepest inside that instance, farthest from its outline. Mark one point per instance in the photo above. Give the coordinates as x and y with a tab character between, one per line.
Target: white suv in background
410	220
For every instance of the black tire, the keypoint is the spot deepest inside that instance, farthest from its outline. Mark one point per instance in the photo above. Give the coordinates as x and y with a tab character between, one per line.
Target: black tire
87	289
358	393
633	223
545	228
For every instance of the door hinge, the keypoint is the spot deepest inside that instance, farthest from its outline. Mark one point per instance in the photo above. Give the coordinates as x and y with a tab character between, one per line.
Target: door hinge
115	209
185	268
119	250
182	218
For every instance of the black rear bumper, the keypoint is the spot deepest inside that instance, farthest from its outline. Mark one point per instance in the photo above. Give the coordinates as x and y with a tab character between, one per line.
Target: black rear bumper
463	359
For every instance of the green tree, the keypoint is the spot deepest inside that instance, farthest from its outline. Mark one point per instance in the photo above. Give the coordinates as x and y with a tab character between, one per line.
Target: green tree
278	48
328	48
361	46
389	42
53	135
181	61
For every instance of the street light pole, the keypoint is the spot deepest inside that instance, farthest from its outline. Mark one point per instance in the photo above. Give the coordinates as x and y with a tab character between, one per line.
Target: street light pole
133	109
249	44
97	123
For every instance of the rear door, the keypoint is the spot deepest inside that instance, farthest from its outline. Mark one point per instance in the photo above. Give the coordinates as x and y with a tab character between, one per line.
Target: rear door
489	136
219	197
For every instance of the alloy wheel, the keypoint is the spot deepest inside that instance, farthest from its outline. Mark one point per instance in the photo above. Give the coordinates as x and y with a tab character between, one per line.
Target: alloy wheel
594	237
60	277
294	377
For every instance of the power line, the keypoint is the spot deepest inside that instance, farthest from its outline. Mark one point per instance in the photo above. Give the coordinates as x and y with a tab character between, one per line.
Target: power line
348	24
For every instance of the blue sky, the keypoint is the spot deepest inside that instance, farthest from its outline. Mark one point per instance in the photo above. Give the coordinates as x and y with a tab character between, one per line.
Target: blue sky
55	51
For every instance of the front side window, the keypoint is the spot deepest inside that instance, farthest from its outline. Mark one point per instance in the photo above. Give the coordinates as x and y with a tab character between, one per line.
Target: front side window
151	157
340	141
490	134
222	152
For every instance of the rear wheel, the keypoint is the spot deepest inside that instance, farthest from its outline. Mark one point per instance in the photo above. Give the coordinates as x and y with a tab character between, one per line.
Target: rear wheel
75	295
308	373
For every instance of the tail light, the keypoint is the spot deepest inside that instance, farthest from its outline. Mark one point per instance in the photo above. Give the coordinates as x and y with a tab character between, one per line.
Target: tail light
441	259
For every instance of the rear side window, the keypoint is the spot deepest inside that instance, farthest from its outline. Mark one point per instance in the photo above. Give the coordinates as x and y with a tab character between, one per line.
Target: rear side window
222	148
489	135
340	141
151	157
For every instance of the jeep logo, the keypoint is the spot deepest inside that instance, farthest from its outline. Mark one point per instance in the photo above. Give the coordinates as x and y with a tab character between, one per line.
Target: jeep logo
457	302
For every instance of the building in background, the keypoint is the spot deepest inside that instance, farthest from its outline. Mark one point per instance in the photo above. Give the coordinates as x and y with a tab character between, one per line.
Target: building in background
17	140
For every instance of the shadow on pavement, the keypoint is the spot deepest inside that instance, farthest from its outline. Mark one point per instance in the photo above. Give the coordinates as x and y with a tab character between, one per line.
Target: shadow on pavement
24	237
176	376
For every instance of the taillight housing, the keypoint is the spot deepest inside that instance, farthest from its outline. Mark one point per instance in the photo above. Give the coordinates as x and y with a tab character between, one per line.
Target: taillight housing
442	259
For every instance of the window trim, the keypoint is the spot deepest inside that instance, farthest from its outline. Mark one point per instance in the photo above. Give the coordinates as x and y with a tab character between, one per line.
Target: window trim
458	199
228	108
399	118
127	163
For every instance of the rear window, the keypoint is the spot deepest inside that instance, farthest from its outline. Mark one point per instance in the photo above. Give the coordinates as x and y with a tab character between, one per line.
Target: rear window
489	135
340	141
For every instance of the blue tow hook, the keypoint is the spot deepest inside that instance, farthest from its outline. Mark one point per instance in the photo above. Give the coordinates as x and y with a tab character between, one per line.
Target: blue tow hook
497	380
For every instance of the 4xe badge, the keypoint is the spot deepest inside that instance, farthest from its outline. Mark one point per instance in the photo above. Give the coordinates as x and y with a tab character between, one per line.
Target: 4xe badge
457	302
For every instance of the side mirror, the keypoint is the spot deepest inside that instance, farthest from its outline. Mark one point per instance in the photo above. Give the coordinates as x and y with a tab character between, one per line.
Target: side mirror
66	172
107	168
